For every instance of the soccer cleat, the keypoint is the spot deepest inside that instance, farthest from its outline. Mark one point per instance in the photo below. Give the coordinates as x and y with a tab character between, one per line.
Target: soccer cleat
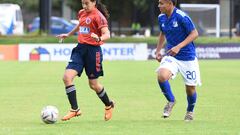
108	111
168	109
188	116
71	114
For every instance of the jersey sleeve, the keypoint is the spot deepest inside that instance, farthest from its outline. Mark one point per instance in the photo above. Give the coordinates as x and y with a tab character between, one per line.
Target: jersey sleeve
101	21
187	24
160	22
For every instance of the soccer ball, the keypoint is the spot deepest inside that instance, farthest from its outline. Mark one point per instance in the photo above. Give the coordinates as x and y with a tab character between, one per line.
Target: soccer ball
49	114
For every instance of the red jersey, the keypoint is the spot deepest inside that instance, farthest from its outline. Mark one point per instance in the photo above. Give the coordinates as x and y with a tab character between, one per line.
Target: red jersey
90	22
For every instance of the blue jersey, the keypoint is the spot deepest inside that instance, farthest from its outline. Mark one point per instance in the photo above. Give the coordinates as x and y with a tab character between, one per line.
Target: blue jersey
176	28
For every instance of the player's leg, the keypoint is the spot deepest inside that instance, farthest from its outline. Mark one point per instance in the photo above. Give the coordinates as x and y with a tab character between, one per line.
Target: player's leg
191	98
68	78
74	68
163	76
100	91
191	75
102	94
94	70
166	71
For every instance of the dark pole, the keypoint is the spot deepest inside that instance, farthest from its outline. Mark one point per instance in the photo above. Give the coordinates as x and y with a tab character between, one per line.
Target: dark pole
110	18
62	5
119	15
152	15
45	14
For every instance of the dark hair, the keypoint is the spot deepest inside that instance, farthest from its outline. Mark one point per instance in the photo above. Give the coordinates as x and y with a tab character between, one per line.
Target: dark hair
102	8
174	2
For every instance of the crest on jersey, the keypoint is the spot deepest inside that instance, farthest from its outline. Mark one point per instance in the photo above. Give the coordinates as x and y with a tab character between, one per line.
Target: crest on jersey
163	25
175	24
88	20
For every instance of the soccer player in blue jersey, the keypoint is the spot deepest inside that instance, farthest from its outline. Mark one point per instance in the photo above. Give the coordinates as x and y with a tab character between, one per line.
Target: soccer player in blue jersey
179	31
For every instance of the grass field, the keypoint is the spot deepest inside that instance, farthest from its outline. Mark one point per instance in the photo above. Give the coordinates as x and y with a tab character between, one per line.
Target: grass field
26	87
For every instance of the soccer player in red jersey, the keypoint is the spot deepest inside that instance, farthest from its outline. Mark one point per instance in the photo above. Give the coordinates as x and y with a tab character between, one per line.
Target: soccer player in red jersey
92	32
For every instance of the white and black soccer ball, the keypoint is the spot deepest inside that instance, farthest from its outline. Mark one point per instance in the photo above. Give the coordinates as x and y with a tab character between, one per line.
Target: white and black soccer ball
49	114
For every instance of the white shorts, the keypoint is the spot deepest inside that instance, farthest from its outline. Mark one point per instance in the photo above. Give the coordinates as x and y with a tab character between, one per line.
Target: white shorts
188	69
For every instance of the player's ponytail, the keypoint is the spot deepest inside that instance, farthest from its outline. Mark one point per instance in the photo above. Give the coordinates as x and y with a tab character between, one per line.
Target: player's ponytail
102	8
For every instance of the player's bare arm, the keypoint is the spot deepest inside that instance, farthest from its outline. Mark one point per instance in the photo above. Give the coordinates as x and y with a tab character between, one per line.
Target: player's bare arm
191	37
160	45
105	35
65	35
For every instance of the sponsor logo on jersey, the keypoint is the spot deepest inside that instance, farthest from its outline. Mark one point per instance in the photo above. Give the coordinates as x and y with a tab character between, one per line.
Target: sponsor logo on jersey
163	25
84	30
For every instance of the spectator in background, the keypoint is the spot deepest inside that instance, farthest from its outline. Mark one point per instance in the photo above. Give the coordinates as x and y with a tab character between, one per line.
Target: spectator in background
136	26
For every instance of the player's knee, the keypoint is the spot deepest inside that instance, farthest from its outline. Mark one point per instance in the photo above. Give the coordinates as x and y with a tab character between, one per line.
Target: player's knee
164	75
66	78
93	86
162	78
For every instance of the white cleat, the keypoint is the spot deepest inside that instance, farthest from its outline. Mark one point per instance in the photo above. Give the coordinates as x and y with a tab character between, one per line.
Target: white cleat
168	109
188	116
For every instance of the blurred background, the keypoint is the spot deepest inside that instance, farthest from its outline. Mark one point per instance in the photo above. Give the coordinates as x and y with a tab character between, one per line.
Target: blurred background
127	17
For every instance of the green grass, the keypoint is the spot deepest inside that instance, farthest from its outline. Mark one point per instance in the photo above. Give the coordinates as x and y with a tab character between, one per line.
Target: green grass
26	87
73	39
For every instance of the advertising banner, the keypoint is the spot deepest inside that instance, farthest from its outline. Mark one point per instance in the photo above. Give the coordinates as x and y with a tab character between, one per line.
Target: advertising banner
216	51
209	51
8	52
125	51
62	52
45	52
152	51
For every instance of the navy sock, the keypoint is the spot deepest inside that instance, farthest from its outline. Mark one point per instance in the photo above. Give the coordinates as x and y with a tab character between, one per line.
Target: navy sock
104	97
191	102
166	89
72	98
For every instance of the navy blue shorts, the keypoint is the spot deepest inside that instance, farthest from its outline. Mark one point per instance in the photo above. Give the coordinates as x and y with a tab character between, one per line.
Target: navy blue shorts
88	57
